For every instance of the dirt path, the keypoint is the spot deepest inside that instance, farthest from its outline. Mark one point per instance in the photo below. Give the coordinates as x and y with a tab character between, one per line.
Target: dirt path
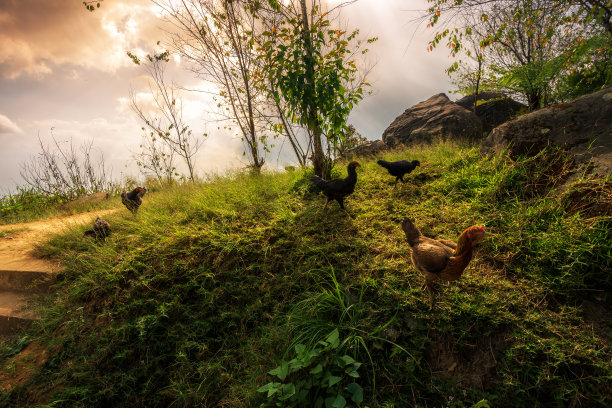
19	268
18	240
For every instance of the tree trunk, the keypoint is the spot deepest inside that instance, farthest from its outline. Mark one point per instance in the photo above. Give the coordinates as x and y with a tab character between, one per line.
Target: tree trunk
299	153
533	100
318	156
478	76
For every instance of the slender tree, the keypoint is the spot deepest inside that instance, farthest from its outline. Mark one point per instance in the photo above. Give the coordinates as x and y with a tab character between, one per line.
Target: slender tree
168	123
156	157
309	66
216	38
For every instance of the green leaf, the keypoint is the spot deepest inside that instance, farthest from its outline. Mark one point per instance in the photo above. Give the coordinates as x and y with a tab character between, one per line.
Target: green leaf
338	402
288	391
299	349
264	388
333	338
317	370
272	388
333	380
281	371
356	392
347	360
353	374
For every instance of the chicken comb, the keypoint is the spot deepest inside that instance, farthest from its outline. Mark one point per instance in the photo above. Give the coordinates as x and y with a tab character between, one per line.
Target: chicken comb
475	228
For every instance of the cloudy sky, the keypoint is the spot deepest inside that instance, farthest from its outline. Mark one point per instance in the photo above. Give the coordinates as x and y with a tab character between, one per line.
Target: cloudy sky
64	72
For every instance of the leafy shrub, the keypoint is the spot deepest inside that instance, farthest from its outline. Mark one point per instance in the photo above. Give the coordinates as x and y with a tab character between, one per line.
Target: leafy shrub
25	200
330	382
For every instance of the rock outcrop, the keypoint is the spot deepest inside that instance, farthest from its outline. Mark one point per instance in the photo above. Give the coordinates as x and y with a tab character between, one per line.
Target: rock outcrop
437	117
366	149
582	127
493	108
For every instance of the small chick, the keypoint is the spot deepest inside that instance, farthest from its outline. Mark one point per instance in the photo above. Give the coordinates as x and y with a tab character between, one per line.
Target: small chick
101	229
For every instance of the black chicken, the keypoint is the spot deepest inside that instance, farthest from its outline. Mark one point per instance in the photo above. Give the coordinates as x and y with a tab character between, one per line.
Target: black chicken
339	188
101	229
133	199
399	168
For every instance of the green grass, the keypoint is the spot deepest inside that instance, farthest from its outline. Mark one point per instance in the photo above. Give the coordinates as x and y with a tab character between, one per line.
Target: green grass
27	206
6	233
191	302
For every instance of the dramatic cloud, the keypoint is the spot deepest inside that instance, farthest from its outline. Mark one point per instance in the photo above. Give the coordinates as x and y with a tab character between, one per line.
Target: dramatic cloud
7	126
38	35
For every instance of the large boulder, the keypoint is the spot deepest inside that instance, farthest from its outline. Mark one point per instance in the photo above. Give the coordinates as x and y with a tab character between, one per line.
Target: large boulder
492	108
366	149
436	117
582	127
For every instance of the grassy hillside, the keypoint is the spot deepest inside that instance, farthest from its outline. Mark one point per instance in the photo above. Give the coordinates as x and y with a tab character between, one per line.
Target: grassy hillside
210	287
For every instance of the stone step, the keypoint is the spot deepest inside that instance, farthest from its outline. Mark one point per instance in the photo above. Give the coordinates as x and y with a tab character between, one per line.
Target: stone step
14	312
24	280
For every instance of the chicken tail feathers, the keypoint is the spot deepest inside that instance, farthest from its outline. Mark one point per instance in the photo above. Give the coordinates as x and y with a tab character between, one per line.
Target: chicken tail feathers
383	163
318	181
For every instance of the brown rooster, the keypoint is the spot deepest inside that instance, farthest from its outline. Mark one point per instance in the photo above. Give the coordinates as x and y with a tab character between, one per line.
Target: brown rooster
440	258
101	229
340	188
133	199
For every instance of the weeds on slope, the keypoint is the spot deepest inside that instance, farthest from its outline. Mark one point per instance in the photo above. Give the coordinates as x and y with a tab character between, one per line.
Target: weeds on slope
192	301
27	205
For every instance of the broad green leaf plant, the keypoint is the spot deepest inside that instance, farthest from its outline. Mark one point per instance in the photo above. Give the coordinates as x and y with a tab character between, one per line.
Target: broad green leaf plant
317	377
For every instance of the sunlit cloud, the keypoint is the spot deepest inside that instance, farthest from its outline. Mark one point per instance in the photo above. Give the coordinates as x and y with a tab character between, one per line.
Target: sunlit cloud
7	126
38	35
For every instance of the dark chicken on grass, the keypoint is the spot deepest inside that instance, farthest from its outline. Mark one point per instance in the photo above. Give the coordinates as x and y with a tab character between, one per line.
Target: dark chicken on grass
440	258
133	199
399	168
339	188
101	229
